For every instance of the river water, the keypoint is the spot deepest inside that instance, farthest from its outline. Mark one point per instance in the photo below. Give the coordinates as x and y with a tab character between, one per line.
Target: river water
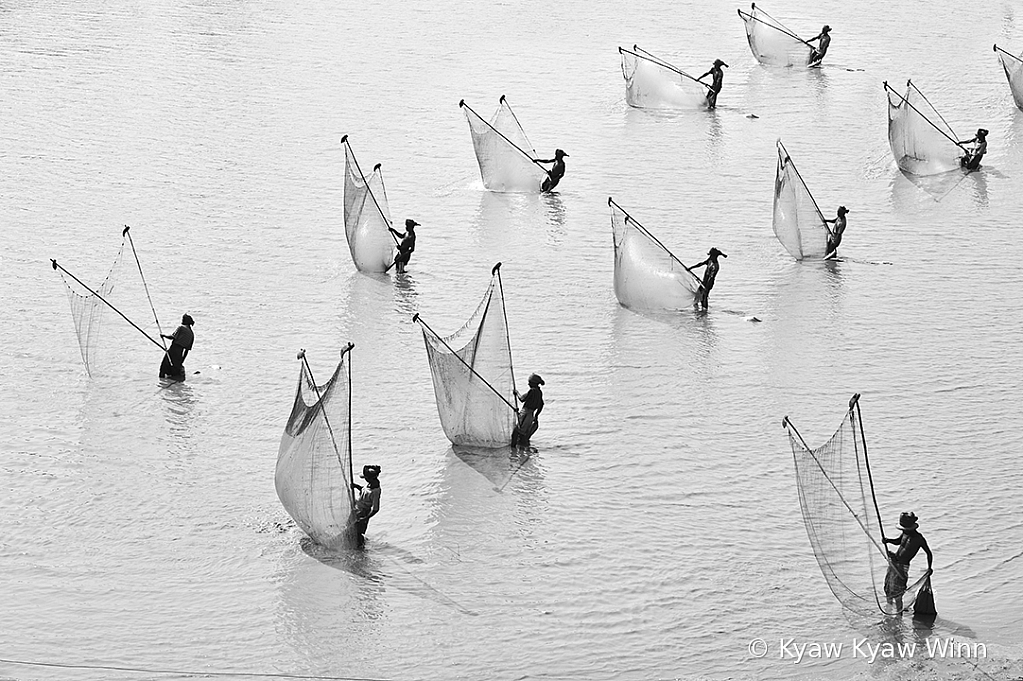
656	531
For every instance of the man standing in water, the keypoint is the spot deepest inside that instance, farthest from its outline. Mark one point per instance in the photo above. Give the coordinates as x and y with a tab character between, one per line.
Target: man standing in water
173	365
835	234
909	544
368	502
817	54
708	275
556	172
971	160
715	86
405	246
532	405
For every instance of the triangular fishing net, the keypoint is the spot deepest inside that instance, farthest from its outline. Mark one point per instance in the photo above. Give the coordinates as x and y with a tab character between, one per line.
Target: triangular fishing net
836	495
314	461
367	216
647	276
475	404
1014	72
922	142
798	222
771	42
651	83
504	153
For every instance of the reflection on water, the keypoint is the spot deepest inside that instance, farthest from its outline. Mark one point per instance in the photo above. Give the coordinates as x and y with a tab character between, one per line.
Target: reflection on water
406	297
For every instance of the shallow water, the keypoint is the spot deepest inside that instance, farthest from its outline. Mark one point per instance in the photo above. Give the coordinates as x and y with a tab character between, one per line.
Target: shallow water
657	530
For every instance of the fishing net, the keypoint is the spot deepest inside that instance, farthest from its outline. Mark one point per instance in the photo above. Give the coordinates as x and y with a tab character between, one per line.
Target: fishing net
654	84
1014	72
504	153
922	142
647	276
367	216
771	43
798	222
314	461
836	495
472	375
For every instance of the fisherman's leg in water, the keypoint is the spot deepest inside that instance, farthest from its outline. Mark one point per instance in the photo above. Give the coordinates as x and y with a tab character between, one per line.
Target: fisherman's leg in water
173	364
973	163
548	184
712	99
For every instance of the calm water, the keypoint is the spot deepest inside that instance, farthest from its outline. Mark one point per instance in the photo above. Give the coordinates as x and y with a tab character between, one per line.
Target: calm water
657	530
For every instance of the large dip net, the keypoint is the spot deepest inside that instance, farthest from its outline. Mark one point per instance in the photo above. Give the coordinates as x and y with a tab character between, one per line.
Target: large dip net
314	461
922	141
771	42
472	373
798	222
367	217
647	276
1013	67
505	155
109	316
836	495
651	83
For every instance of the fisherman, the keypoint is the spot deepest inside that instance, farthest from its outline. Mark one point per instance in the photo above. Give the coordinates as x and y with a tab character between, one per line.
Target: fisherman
715	87
532	405
556	172
368	503
971	159
909	543
173	365
835	235
708	276
405	246
817	54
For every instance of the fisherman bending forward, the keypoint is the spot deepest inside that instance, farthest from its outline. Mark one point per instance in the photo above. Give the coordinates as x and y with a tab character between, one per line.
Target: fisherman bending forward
708	275
532	405
556	172
971	159
909	543
817	54
405	246
715	86
368	503
173	365
835	234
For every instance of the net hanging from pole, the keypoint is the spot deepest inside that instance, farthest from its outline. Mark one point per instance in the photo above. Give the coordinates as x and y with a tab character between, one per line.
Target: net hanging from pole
505	155
473	379
922	142
771	42
1013	67
651	83
647	276
798	221
367	216
314	461
843	524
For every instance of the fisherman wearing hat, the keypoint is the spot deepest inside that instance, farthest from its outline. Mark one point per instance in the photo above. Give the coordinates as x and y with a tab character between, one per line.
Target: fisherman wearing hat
173	365
405	246
368	503
556	172
715	87
708	275
817	54
909	544
835	235
532	405
971	160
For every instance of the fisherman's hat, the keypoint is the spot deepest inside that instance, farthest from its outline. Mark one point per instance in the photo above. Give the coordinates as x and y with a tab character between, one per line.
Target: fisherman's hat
907	521
370	472
187	320
534	379
560	152
411	223
715	251
825	29
982	132
718	62
842	210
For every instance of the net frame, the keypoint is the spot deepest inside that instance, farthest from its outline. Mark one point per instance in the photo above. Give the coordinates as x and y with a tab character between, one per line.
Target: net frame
685	91
517	171
903	140
371	248
761	27
802	242
826	484
1013	67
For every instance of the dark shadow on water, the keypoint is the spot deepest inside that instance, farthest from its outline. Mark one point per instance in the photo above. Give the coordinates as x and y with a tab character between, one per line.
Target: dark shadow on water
499	466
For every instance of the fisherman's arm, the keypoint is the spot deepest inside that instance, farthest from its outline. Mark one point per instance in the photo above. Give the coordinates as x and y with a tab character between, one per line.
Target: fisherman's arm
930	556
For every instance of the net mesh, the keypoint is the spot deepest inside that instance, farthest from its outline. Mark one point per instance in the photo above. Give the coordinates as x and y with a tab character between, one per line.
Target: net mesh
314	465
1013	67
647	275
653	84
771	42
504	153
921	141
798	222
471	411
367	217
836	496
